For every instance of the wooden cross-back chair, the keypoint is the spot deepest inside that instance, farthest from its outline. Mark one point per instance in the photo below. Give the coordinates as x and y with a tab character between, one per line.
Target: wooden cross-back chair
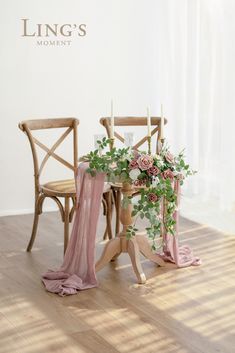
134	121
60	188
130	121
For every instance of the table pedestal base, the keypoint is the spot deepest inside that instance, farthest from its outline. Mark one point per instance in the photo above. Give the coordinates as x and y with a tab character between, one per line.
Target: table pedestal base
134	247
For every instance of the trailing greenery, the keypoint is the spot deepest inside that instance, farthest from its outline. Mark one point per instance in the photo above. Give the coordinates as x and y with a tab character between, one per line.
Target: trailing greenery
154	176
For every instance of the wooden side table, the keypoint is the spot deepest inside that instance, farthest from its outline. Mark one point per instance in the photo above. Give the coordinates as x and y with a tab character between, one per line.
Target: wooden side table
134	247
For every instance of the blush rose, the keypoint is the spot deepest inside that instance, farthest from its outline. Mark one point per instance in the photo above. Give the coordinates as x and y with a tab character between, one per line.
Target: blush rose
145	162
153	171
133	164
140	182
169	158
168	174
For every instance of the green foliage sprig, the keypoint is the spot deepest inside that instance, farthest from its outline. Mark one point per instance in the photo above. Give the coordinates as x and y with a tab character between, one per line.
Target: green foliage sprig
154	176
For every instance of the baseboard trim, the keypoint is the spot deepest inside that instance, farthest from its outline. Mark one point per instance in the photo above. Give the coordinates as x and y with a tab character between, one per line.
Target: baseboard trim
25	211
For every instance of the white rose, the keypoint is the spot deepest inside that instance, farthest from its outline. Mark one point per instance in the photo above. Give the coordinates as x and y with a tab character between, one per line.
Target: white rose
159	160
134	173
155	181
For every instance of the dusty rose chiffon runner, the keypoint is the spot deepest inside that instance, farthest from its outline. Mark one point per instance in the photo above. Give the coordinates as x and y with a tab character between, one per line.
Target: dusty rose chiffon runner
181	256
78	269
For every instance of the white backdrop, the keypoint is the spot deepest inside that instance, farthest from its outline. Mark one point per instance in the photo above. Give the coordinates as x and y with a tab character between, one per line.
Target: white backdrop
114	60
139	53
197	76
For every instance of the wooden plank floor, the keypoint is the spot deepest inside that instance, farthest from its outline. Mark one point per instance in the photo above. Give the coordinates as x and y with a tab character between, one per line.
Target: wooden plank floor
189	310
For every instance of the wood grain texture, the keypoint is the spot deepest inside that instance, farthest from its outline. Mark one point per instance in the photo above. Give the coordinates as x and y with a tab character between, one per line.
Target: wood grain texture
39	124
60	188
189	310
132	120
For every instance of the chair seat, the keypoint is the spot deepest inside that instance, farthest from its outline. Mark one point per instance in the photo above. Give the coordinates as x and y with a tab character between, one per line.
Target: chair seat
60	188
116	185
64	188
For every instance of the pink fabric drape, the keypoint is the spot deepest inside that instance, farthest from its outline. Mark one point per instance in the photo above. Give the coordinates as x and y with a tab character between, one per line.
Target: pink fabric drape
181	256
78	269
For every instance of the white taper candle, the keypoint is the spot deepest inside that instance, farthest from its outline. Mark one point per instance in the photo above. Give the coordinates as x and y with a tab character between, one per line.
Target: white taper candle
162	123
149	122
112	121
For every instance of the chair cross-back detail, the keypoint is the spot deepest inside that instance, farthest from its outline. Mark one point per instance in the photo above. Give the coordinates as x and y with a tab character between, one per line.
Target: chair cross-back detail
130	121
54	189
134	121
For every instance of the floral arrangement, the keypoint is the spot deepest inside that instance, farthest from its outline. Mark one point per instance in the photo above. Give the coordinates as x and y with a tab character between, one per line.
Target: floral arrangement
153	175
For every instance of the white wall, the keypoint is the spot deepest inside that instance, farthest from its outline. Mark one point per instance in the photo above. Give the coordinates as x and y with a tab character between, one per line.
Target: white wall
115	59
139	53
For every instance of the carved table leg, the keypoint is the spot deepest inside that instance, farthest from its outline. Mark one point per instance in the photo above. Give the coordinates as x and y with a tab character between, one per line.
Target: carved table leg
112	248
133	251
145	249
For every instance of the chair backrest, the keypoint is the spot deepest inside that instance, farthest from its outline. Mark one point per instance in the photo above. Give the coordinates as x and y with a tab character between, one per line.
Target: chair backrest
134	121
28	126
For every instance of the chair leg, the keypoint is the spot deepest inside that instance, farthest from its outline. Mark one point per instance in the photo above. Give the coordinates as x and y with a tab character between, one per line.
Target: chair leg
35	225
104	203
109	215
66	222
118	209
108	199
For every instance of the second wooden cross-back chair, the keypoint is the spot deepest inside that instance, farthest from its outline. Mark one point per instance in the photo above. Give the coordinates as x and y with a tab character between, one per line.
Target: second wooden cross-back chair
58	189
130	121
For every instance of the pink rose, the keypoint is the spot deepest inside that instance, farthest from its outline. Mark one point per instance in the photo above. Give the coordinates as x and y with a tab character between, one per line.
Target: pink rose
139	182
153	171
168	174
169	158
152	197
145	162
133	164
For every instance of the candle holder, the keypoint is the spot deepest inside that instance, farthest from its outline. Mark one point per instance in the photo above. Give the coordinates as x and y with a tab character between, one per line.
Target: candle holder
112	139
149	144
160	145
162	142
